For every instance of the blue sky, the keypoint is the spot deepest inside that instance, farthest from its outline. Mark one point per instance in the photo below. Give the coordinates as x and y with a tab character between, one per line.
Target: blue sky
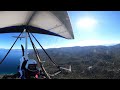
89	28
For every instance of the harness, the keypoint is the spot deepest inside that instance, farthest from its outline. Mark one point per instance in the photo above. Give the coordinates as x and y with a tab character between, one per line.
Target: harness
23	64
27	74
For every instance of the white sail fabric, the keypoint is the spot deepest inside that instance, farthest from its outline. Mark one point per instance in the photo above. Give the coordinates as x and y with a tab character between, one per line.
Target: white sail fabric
12	18
54	21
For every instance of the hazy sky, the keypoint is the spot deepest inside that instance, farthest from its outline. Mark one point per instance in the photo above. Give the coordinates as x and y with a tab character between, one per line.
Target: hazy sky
89	28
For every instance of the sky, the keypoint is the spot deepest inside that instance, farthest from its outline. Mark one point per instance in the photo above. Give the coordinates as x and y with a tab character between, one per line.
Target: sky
90	28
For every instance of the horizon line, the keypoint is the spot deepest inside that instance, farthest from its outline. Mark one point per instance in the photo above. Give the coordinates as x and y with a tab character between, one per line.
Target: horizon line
65	46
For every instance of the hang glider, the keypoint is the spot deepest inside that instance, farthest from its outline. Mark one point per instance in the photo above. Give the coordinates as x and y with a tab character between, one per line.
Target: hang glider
56	23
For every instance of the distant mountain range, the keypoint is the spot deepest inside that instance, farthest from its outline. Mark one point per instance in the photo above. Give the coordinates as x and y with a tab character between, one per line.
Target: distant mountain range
78	49
80	53
104	61
87	62
76	52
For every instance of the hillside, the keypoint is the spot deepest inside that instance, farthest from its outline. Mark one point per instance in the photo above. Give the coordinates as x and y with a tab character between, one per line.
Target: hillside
96	62
90	62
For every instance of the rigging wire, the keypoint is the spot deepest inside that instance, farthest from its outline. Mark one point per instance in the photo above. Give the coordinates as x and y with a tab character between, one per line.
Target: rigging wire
46	52
38	57
10	48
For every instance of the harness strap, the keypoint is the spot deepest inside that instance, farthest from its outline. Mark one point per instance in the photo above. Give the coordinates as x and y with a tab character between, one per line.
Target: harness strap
23	64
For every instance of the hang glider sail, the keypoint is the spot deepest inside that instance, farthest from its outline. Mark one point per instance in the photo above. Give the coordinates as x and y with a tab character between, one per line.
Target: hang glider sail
56	23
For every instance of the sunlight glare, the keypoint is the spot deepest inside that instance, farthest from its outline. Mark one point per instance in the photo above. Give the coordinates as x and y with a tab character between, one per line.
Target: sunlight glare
86	23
